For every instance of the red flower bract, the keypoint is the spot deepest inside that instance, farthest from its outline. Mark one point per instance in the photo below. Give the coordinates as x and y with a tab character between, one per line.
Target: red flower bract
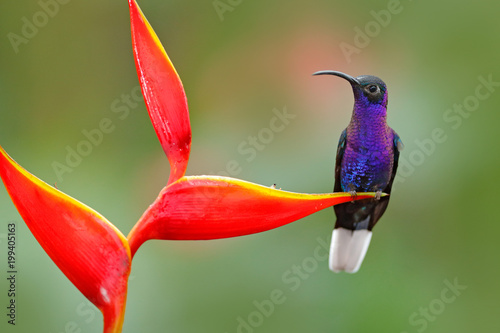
210	207
87	248
163	93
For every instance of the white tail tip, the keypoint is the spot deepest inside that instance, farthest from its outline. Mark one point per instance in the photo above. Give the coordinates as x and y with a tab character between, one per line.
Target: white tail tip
348	249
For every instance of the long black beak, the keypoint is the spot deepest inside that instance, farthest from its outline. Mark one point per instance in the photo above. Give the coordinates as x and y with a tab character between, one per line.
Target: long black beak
349	78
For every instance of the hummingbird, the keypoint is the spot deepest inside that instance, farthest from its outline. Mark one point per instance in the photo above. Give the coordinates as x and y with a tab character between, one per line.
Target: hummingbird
366	161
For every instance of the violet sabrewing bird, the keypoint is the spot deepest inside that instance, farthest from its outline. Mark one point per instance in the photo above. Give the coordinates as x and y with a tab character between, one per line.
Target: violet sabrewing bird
367	159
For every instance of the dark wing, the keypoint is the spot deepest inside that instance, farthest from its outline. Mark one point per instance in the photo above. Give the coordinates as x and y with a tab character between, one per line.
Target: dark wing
398	147
338	162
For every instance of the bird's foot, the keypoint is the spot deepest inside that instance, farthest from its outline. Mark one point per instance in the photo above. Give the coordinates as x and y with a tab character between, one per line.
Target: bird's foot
353	195
378	195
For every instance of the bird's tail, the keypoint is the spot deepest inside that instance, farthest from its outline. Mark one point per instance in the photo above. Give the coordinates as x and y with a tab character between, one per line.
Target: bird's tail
348	249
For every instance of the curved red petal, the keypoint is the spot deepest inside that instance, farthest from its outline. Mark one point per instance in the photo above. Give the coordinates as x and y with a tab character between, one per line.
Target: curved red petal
211	207
163	92
88	249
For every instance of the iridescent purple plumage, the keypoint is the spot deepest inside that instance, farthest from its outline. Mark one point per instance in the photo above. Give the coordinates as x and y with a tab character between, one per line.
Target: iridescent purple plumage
367	159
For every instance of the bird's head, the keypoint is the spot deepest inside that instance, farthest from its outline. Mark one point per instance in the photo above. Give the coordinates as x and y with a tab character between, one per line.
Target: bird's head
368	89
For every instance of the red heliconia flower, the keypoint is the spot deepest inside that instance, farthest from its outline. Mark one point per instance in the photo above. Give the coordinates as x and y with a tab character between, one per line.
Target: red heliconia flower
201	207
87	248
93	253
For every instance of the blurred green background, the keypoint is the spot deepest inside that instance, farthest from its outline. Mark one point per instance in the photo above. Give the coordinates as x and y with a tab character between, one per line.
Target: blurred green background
237	65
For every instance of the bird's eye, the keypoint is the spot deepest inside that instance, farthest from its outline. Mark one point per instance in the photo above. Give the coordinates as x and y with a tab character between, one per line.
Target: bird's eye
372	88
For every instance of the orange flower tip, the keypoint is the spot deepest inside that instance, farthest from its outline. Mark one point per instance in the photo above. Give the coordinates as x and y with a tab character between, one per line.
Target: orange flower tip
114	313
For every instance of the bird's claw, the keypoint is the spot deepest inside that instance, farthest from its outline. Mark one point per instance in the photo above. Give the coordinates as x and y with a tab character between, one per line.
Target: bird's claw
378	195
353	195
